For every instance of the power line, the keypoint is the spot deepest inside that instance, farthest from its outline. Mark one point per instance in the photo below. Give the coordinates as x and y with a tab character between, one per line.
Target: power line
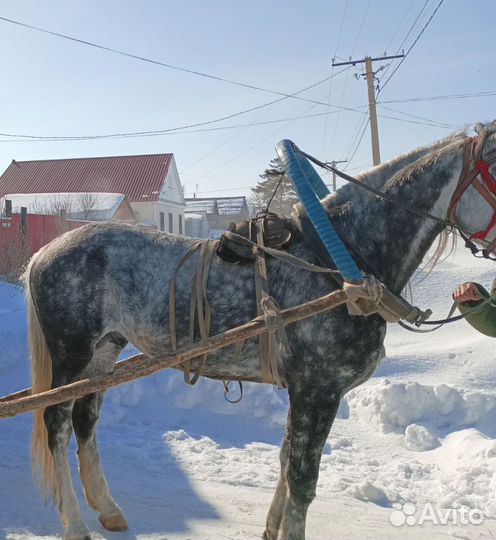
33	138
413	44
373	98
488	93
227	189
336	124
356	132
340	33
168	130
338	41
158	62
428	121
361	27
359	140
183	129
407	35
399	26
241	130
138	57
245	151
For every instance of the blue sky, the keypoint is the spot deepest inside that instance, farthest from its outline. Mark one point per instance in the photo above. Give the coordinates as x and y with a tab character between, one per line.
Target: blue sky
51	86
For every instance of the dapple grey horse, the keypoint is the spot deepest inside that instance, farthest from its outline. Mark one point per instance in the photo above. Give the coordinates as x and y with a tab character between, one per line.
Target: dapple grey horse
94	289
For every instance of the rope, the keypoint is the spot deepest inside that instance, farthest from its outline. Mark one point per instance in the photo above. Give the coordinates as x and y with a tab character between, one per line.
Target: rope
365	299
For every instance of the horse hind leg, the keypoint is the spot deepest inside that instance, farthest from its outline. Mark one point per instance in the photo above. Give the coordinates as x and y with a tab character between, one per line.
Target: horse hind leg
85	417
59	430
52	430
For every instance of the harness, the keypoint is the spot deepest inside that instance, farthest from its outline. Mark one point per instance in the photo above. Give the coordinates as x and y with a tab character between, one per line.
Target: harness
483	181
268	235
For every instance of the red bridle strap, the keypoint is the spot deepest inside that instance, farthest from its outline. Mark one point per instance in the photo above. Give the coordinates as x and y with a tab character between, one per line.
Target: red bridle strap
483	168
487	188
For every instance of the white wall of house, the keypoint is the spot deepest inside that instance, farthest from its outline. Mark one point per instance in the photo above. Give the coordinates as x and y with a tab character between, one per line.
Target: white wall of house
168	212
171	189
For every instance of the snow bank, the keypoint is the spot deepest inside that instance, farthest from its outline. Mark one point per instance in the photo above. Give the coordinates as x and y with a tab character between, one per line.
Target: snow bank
393	406
468	461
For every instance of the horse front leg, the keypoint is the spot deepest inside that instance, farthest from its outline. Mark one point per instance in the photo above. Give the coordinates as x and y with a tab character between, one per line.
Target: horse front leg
312	412
274	516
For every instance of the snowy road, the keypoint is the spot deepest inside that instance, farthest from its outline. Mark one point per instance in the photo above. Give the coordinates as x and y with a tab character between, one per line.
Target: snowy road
185	464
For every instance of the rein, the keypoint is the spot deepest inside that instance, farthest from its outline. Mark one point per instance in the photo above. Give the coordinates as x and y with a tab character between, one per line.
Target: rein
449	319
380	194
468	177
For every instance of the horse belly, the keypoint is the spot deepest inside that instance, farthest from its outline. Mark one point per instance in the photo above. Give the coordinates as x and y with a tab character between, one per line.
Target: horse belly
224	365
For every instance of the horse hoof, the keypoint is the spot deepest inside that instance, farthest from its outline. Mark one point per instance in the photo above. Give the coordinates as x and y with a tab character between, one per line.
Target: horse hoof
114	522
268	535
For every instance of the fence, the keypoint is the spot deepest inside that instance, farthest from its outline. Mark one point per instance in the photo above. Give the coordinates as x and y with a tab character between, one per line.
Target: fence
23	234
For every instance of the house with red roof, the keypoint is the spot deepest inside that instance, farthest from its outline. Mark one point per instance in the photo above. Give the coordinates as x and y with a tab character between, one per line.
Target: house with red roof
150	183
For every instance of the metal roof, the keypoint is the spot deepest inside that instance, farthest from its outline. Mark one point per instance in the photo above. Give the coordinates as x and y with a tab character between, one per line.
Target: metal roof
139	178
218	205
232	205
201	205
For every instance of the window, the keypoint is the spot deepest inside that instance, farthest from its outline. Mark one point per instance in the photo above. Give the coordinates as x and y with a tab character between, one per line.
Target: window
171	226
162	221
180	224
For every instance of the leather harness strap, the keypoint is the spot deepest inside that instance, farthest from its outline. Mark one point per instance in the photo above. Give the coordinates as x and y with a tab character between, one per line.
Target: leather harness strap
274	343
199	308
486	188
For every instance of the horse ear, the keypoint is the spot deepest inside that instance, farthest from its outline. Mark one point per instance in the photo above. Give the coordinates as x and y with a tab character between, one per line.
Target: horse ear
479	128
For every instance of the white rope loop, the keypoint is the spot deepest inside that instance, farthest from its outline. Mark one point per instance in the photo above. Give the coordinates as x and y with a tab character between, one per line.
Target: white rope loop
365	299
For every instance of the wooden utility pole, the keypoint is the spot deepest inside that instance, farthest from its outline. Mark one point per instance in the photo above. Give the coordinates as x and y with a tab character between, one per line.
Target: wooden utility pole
333	165
374	130
369	75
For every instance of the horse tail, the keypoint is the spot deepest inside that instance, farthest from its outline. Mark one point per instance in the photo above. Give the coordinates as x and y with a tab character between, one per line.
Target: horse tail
41	380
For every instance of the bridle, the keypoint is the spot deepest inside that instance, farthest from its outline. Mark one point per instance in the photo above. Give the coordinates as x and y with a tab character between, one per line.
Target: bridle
473	168
476	173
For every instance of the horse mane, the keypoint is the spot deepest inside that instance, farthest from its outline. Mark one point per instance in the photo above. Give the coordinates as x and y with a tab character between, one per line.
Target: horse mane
395	172
397	160
446	240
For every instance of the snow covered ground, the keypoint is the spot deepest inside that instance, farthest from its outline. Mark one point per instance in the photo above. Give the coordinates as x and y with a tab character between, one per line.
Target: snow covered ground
413	448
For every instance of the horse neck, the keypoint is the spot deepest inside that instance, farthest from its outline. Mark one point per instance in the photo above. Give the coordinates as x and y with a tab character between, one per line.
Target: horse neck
390	241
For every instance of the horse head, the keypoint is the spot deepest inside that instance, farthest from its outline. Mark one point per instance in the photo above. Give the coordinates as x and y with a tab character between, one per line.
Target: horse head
473	206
